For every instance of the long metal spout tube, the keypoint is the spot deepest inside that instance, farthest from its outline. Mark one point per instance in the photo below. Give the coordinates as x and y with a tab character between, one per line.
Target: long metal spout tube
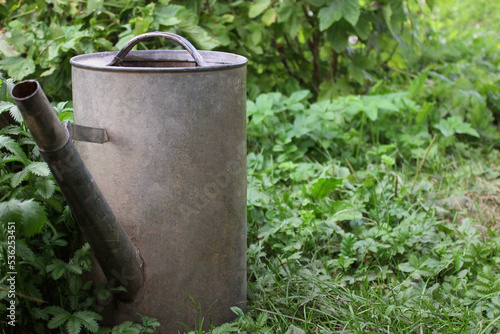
118	257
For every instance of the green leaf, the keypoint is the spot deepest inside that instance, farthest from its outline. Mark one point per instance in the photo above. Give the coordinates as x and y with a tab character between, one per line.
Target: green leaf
18	38
93	5
8	50
12	146
58	320
466	128
39	314
454	124
356	73
16	114
350	10
406	267
323	186
294	330
363	27
343	210
387	160
166	14
367	104
57	268
236	310
60	316
74	325
18	67
30	213
5	106
45	188
149	322
89	320
258	8
317	3
387	13
337	9
38	168
297	97
338	35
18	178
226	328
383	102
23	250
126	327
269	16
328	16
74	268
141	25
188	25
285	11
329	90
34	217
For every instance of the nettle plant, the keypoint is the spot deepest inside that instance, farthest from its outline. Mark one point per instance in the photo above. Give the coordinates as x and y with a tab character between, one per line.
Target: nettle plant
51	292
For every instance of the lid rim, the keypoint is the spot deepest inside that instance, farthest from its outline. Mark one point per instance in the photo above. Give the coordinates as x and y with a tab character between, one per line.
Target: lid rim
79	61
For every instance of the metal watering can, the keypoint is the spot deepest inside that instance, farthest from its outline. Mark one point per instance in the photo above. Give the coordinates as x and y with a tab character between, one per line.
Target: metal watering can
163	134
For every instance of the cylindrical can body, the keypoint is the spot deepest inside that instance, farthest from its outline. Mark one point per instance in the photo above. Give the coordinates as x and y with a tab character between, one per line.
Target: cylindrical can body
174	173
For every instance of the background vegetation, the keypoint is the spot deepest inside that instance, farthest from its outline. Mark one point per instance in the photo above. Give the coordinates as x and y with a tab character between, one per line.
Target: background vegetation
373	178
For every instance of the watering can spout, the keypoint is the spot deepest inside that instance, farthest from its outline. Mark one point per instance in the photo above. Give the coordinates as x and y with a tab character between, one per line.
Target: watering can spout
117	256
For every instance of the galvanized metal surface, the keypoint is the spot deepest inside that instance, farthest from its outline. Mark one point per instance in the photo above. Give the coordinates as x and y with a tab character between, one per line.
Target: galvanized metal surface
174	173
112	247
38	114
86	133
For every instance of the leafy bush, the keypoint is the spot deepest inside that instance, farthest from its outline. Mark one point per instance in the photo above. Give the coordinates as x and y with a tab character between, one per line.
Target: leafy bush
330	47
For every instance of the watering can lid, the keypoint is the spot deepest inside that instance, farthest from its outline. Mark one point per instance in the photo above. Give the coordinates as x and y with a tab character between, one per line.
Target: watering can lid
158	60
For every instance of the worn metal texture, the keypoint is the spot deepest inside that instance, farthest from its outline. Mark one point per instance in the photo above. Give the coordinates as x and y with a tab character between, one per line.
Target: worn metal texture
86	133
112	247
174	173
38	114
120	56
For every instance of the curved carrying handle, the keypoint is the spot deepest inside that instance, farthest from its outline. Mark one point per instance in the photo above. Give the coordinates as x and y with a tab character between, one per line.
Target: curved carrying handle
179	39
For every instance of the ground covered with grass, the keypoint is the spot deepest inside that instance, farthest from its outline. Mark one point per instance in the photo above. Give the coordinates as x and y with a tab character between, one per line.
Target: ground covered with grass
380	213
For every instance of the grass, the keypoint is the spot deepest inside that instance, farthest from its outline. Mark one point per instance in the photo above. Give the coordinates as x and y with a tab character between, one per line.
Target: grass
381	222
447	224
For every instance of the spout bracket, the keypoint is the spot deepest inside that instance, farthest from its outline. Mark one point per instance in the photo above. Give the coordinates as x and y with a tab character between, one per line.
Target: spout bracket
87	133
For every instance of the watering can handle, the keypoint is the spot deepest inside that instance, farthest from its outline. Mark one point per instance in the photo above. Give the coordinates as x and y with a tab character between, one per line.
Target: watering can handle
118	59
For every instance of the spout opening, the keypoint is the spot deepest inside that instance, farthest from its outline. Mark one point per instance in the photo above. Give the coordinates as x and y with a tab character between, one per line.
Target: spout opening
24	90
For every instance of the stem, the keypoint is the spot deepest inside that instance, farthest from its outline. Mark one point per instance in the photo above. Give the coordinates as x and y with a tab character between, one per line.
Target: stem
335	65
395	185
412	23
314	45
33	299
287	65
353	171
207	6
363	117
419	168
282	315
22	14
391	54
